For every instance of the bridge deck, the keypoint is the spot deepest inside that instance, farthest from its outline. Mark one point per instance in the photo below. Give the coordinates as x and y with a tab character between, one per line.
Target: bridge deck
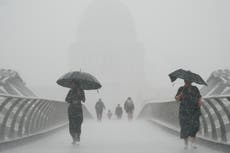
111	137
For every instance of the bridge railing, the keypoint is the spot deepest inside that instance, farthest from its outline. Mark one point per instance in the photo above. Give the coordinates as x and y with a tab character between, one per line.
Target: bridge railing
21	117
214	120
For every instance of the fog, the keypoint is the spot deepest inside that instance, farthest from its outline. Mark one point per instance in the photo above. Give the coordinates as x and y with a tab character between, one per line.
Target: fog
129	45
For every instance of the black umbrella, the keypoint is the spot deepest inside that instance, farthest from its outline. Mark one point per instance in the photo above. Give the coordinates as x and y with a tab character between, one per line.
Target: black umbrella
186	75
83	80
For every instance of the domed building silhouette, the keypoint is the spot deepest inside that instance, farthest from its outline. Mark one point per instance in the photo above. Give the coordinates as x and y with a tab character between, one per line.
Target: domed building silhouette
107	46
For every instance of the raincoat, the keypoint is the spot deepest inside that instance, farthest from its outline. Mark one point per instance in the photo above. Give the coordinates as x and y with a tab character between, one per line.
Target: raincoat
189	111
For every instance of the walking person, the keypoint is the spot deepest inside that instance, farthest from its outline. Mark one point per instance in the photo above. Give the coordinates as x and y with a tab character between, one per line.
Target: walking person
118	111
109	114
189	112
99	107
129	108
77	81
75	97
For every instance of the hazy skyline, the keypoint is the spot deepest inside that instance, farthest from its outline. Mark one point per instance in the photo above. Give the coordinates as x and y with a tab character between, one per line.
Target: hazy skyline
36	37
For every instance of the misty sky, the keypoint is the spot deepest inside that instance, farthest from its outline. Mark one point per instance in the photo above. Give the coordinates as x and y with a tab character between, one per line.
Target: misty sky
36	35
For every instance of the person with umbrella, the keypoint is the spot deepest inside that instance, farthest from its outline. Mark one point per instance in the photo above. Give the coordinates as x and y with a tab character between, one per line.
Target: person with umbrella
78	82
190	102
75	97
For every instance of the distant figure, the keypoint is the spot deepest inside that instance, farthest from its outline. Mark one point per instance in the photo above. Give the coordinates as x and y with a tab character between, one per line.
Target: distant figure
129	108
75	114
109	114
99	107
119	111
189	112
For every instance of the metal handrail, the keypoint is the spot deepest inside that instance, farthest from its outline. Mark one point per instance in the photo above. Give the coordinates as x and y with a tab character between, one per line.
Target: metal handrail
215	116
22	117
206	97
15	96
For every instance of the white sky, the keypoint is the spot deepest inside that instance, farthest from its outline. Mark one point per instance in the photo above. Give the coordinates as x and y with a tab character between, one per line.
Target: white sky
35	37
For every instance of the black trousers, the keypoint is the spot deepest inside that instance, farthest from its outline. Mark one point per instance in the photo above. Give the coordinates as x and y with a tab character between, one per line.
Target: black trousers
99	115
75	116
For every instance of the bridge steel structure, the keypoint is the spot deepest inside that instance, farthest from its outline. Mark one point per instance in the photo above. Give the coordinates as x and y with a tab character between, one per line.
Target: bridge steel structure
214	120
23	117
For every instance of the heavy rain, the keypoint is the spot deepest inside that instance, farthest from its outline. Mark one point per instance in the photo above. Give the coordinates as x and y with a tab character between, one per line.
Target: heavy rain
117	56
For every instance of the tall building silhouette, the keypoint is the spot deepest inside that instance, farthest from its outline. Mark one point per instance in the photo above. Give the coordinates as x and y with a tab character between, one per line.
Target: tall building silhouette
107	46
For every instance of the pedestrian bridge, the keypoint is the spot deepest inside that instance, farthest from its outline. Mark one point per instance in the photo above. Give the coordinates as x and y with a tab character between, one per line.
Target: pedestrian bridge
34	125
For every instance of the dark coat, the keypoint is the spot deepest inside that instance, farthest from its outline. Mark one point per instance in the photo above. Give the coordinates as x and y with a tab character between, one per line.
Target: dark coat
118	110
189	111
99	106
75	113
129	106
75	95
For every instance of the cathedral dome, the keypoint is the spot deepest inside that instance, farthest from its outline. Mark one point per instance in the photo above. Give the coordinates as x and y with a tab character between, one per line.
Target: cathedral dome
107	21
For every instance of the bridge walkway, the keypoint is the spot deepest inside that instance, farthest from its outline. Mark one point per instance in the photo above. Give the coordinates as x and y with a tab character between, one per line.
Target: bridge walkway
111	136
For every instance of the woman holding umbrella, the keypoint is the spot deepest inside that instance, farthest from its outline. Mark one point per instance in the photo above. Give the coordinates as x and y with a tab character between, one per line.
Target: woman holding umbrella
74	97
78	82
190	101
189	111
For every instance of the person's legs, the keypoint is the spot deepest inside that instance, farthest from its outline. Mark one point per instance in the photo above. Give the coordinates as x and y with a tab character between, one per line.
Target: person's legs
79	121
184	122
71	124
100	115
185	143
130	116
184	134
193	142
195	124
72	130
